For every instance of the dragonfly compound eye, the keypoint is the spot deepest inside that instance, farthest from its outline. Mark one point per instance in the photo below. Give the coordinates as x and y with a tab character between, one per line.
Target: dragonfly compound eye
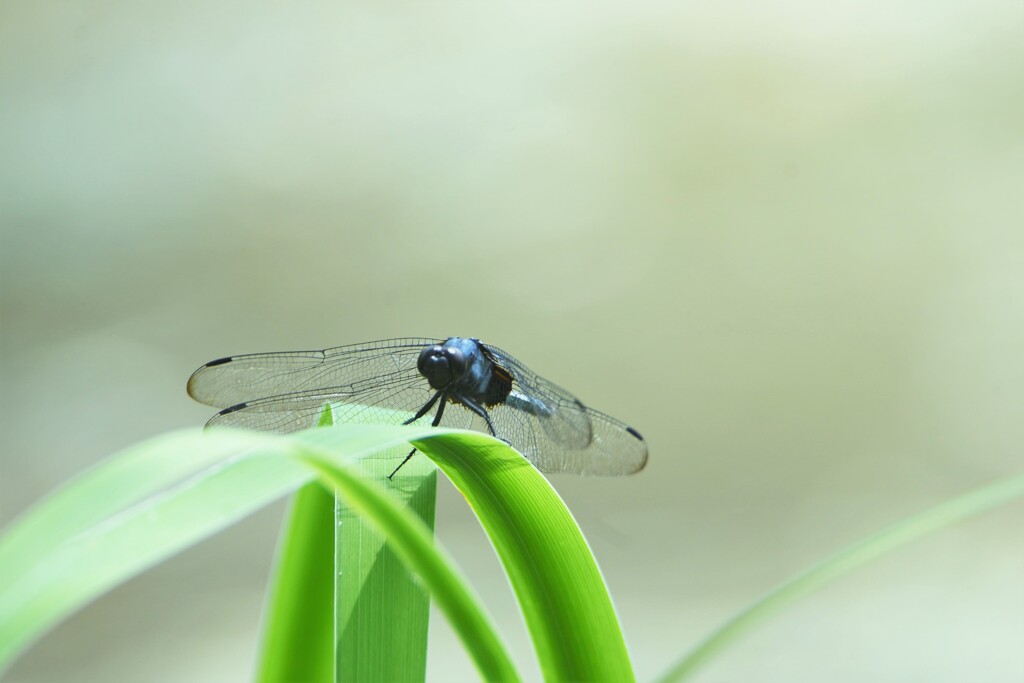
441	366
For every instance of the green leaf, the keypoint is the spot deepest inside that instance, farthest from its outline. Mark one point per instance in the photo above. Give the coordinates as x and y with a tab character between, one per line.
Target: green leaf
382	611
412	541
382	614
298	638
563	597
135	510
139	472
335	568
871	548
91	536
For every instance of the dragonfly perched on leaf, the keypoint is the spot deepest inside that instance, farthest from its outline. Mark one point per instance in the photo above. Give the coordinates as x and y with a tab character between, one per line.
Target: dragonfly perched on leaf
462	379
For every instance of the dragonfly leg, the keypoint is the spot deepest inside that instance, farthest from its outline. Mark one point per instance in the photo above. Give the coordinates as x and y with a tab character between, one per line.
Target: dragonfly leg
395	471
436	421
425	409
479	410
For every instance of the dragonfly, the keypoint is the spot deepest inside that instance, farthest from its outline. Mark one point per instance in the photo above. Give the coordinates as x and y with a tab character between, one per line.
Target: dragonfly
463	380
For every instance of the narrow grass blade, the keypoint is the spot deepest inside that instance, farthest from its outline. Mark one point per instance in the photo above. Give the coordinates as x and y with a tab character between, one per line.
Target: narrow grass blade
136	473
382	611
564	600
298	639
412	541
70	570
889	539
298	628
381	614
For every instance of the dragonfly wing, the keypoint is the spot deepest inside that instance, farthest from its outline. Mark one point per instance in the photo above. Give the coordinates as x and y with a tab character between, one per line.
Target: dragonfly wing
392	402
614	448
227	382
558	433
378	382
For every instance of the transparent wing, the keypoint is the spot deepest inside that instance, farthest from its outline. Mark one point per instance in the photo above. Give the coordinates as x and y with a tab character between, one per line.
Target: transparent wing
392	402
557	432
352	370
378	382
374	382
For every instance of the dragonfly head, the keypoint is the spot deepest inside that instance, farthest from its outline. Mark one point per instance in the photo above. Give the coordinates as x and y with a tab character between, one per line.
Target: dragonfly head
442	365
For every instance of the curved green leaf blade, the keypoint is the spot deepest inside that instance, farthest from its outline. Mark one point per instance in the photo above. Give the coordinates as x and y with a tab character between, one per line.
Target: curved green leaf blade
75	562
413	542
334	567
899	534
137	472
563	597
382	612
70	569
298	637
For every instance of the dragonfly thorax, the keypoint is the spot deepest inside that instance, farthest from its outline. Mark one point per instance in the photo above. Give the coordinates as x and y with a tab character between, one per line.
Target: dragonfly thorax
458	367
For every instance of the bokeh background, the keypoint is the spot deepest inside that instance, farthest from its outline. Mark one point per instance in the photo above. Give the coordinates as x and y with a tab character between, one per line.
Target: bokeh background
784	240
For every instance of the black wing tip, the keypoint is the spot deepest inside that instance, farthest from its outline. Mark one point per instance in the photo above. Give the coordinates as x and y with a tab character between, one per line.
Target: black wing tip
193	379
635	434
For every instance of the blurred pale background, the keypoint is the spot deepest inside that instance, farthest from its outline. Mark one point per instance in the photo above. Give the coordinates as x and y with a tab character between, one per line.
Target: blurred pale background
784	241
